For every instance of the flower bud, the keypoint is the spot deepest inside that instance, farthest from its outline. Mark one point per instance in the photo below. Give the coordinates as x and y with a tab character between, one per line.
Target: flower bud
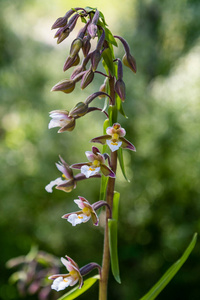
66	86
92	27
86	45
95	59
92	30
120	89
77	71
103	89
70	62
62	34
79	110
60	22
75	47
129	61
87	78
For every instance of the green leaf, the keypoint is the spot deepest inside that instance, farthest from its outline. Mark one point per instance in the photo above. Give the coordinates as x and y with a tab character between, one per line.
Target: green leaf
120	107
89	9
75	292
115	205
112	227
104	182
107	56
171	272
101	15
109	37
121	162
112	111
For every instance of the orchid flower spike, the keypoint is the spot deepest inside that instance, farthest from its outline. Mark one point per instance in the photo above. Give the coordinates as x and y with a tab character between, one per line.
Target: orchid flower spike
61	281
95	165
87	211
114	138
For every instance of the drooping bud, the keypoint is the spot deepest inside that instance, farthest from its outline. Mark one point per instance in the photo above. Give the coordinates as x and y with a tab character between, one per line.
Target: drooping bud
77	71
120	89
86	45
87	78
127	59
92	27
62	21
130	62
95	59
79	110
62	34
71	62
66	86
75	47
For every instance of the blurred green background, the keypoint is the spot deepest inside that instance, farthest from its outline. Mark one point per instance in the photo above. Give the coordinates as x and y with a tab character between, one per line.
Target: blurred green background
160	207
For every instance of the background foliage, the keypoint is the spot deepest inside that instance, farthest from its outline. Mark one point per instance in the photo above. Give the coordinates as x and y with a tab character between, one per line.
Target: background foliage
160	207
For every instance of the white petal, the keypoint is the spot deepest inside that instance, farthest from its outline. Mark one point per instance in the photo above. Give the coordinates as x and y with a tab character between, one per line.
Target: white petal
61	283
75	219
57	123
89	171
49	187
113	146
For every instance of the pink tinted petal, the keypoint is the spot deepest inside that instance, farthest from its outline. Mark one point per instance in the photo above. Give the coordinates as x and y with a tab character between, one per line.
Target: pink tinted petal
110	130
59	115
67	264
90	156
101	139
107	171
80	203
54	123
60	167
126	144
121	131
74	264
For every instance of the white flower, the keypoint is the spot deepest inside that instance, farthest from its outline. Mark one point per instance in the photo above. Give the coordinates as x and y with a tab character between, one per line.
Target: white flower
89	170
75	219
61	283
113	145
49	187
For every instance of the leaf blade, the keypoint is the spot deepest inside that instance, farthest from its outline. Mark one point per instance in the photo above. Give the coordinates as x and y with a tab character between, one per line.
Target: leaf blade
75	292
112	226
170	273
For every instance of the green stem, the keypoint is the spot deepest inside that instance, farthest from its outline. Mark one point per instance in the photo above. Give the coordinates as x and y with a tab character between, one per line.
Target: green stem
103	283
106	254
